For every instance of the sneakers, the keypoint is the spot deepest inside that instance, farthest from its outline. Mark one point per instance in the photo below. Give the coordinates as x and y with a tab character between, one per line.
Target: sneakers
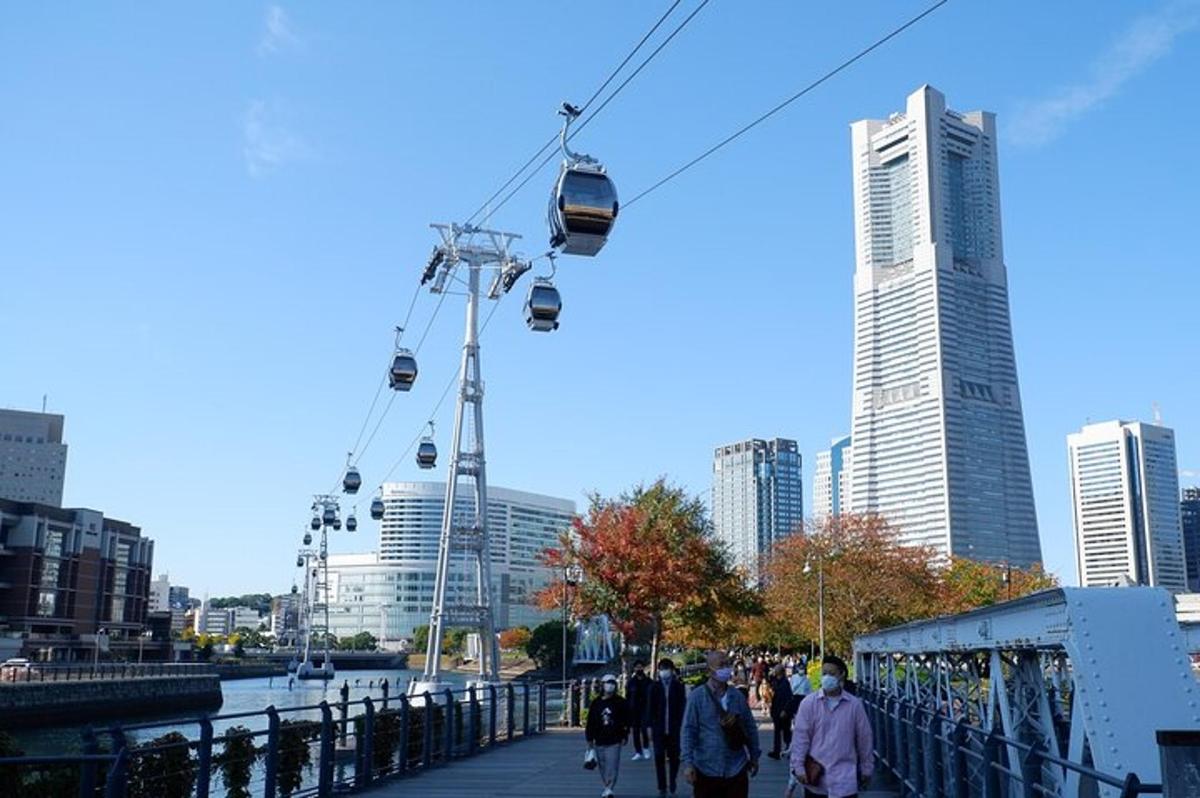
607	793
636	756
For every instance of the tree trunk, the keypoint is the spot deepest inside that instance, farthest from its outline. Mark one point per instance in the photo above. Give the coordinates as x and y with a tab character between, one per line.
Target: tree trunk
653	664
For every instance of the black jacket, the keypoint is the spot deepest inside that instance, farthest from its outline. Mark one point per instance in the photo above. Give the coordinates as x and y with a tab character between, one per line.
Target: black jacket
781	698
608	721
636	691
665	709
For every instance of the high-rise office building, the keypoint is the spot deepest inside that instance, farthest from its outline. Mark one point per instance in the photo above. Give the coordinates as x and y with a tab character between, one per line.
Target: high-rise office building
831	479
390	593
1189	517
939	439
33	458
757	498
1125	500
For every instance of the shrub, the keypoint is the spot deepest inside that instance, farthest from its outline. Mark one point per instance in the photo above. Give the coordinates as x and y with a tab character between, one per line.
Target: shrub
236	761
162	768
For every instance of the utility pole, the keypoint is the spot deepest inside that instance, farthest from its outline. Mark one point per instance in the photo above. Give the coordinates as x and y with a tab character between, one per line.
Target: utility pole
465	528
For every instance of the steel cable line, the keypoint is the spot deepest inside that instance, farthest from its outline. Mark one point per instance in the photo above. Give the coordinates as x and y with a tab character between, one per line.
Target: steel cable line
764	117
550	142
584	123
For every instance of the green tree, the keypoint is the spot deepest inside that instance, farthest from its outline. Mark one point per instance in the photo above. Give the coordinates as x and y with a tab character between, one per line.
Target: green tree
420	640
363	641
545	644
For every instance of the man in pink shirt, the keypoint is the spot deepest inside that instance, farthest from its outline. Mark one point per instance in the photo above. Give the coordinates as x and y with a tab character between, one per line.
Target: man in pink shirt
832	727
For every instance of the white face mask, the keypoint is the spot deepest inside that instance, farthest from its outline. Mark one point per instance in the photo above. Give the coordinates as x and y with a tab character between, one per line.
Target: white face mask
609	688
664	675
829	683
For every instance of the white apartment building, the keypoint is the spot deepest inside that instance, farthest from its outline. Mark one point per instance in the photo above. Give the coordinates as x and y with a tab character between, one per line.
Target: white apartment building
389	593
831	479
1125	503
33	458
939	438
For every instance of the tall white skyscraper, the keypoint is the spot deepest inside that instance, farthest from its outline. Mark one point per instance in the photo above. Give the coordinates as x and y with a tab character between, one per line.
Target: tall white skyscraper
831	479
1125	501
939	439
757	498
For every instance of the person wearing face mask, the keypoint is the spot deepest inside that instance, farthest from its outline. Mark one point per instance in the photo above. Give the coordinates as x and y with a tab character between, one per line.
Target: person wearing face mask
665	707
607	730
637	691
719	747
831	739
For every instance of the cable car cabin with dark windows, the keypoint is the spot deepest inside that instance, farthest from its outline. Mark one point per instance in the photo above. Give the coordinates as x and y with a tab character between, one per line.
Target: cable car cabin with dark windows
542	306
307	539
377	508
427	454
329	517
316	523
352	481
351	523
583	210
403	372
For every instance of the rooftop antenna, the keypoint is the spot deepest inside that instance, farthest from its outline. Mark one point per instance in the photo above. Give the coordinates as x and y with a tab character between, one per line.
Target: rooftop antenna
1157	415
43	403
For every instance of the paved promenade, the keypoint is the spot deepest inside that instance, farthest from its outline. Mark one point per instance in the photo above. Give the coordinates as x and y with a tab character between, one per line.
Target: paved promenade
551	766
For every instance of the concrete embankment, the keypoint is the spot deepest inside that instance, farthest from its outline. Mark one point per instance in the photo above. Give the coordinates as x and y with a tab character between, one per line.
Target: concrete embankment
76	703
256	671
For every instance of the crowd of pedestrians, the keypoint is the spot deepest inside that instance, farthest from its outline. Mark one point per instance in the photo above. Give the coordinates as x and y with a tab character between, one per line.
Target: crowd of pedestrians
709	734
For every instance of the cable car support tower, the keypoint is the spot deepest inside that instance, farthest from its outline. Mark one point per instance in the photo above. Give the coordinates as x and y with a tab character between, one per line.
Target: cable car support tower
464	533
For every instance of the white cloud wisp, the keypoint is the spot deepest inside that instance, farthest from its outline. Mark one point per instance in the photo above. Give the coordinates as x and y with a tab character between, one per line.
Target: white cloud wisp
268	143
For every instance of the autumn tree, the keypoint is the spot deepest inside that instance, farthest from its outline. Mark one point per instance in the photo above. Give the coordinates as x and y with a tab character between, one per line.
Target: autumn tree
967	584
871	580
648	560
515	639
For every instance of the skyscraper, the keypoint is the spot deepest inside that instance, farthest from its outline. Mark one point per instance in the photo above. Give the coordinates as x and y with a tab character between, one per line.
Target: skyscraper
757	498
1189	517
1125	500
939	439
831	479
33	457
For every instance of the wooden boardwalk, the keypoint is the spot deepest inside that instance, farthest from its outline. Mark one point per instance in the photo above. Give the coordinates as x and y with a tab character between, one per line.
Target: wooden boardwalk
551	766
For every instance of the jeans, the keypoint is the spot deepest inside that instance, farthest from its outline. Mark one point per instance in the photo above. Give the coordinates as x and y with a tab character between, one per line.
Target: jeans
712	787
609	759
667	750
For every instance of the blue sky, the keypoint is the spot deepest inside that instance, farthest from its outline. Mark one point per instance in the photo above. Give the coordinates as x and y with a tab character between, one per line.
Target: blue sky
212	217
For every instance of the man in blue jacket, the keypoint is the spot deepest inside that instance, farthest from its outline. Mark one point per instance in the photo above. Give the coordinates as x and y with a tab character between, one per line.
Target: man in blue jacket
667	698
718	762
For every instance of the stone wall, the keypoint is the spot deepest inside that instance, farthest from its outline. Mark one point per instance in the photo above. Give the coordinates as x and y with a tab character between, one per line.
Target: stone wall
26	705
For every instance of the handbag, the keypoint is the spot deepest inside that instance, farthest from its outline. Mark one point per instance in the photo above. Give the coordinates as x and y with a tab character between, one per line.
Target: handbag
731	724
813	770
589	759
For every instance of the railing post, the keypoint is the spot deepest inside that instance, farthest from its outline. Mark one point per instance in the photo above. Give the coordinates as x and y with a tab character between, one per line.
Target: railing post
343	711
366	746
325	764
386	688
473	721
541	724
87	773
916	765
271	759
451	705
511	705
573	696
525	708
427	729
404	731
204	757
958	756
492	708
989	773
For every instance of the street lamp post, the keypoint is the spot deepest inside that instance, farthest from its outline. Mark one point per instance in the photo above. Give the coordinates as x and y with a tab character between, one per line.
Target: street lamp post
571	577
141	642
820	599
101	632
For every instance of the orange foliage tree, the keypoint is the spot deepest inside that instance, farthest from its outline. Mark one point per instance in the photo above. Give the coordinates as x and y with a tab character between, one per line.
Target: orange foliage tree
871	581
515	639
648	561
967	584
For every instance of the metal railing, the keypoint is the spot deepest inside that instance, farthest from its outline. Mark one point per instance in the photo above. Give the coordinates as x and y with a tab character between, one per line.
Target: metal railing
934	756
314	750
46	672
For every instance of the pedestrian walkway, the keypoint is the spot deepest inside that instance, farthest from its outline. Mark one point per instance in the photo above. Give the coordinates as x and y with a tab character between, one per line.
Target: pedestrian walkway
551	766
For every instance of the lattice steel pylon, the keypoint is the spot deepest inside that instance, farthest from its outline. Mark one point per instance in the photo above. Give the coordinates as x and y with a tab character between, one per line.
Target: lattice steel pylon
466	532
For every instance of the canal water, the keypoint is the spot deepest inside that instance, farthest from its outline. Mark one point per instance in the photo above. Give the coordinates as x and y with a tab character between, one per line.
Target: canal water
239	695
